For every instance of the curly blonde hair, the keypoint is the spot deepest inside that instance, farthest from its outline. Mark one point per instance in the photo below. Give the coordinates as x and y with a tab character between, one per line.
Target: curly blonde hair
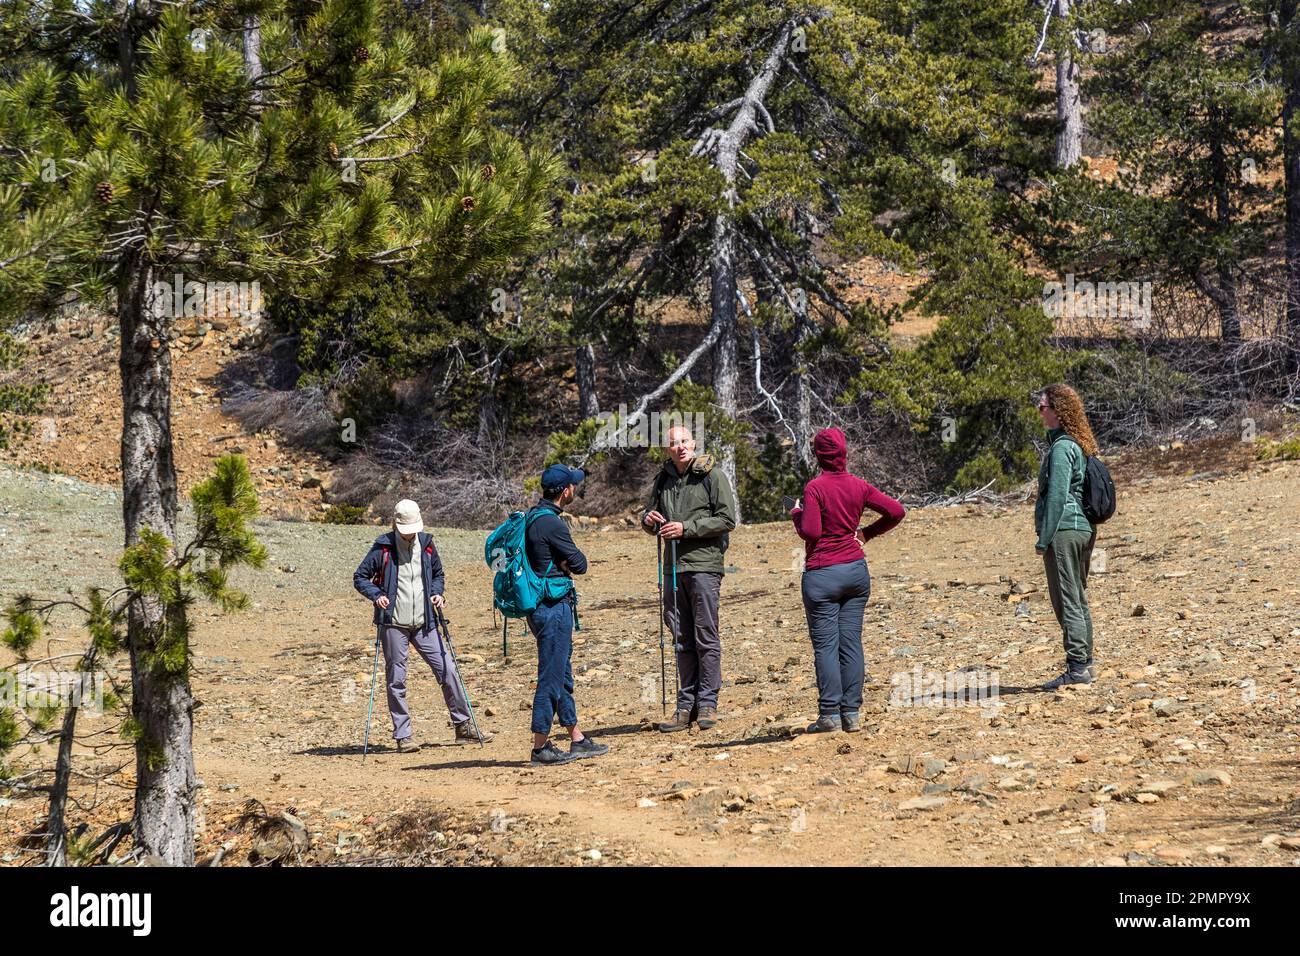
1068	406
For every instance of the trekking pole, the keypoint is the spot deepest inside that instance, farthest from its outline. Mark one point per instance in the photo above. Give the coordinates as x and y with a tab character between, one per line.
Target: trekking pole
374	671
677	628
446	637
505	640
663	666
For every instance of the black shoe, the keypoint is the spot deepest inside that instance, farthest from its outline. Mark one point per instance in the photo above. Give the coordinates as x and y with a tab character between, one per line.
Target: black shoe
586	747
551	754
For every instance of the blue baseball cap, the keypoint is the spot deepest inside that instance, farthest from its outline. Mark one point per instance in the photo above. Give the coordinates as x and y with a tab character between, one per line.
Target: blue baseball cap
561	476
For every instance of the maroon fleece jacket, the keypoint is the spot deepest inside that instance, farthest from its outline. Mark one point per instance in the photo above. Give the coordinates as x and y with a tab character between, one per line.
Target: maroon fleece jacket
833	503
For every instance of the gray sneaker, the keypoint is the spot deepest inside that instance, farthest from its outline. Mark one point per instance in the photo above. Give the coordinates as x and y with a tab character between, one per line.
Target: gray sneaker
850	722
551	754
823	725
586	747
1074	674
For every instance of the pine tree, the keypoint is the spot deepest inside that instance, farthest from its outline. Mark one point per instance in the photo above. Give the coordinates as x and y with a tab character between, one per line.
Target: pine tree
737	154
155	572
147	154
1185	113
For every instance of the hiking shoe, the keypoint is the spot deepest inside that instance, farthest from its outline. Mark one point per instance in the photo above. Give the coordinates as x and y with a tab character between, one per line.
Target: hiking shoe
466	734
1074	674
551	754
1092	669
708	718
681	720
851	723
586	747
407	745
823	725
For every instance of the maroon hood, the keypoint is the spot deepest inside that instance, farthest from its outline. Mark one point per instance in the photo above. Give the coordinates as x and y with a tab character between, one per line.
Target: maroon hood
829	447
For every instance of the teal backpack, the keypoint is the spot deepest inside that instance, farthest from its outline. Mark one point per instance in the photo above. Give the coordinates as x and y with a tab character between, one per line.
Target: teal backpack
516	588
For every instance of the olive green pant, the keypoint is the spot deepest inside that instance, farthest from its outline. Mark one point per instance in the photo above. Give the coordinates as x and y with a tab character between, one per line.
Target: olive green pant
1067	560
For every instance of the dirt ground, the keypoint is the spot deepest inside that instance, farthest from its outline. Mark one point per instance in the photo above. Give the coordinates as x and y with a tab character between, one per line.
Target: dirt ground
1185	750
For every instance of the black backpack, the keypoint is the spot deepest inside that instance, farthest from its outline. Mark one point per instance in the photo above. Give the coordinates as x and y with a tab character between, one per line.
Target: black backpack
1098	488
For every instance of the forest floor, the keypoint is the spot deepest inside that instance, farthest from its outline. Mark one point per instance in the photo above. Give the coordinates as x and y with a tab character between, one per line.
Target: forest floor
1183	752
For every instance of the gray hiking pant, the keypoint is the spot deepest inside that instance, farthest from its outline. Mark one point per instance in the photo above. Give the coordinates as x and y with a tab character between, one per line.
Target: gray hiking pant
1067	560
693	622
834	600
433	649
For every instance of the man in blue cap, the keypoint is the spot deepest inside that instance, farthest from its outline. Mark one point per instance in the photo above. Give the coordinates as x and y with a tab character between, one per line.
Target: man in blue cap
555	558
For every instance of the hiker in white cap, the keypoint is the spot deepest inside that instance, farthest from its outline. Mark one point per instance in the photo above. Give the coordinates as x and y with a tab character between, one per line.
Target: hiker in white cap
402	576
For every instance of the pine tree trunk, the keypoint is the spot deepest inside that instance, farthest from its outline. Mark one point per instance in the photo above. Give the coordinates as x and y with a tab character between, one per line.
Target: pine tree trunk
1069	140
1291	167
726	369
56	831
1226	300
253	53
588	400
161	703
722	258
803	428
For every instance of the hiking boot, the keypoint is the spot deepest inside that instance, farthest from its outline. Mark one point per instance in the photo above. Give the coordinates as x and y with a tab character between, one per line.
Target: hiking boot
708	718
1075	673
551	754
466	734
681	720
850	722
823	725
586	747
1092	669
407	745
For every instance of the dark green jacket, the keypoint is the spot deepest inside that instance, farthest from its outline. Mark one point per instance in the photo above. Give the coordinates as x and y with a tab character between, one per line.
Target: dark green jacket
703	502
1060	489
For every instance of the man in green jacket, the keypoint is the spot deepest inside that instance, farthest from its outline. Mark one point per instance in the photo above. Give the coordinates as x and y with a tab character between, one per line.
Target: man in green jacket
693	509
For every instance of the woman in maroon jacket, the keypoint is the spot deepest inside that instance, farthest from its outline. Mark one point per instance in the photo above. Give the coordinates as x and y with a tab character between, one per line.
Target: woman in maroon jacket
836	583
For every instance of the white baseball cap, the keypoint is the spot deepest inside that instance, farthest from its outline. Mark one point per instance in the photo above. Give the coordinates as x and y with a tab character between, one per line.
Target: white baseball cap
406	516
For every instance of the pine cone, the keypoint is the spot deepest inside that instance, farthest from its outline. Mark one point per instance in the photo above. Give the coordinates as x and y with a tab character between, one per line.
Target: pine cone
334	150
467	203
362	54
105	192
488	171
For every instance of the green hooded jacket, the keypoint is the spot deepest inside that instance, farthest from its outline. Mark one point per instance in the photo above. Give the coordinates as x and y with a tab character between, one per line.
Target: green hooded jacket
702	500
1060	489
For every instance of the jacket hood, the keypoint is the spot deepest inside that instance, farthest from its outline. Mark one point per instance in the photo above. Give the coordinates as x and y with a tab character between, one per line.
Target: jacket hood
830	449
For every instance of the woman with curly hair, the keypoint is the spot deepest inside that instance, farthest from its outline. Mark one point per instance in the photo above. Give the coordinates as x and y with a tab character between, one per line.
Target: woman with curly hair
1065	535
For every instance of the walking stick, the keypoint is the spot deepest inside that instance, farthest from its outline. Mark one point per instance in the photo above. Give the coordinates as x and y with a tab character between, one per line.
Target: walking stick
663	667
677	628
374	670
446	637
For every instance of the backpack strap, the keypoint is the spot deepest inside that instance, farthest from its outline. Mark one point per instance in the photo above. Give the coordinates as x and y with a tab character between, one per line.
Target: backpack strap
378	580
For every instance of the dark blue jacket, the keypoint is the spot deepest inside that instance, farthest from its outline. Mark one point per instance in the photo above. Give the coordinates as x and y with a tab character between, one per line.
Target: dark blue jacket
368	571
548	542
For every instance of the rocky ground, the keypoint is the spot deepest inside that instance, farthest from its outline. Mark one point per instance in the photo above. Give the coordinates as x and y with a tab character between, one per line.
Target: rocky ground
1184	751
